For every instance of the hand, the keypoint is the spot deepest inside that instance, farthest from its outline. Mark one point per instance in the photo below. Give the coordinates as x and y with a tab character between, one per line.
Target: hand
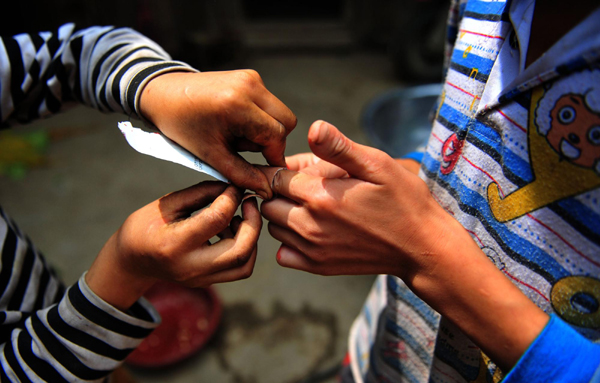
308	163
382	219
319	215
410	165
167	240
215	115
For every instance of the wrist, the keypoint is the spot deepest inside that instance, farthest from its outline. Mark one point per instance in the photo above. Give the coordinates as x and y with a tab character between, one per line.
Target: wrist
156	92
114	283
434	242
460	282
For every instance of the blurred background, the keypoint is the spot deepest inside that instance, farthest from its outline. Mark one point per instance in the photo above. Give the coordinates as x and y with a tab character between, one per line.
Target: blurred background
76	179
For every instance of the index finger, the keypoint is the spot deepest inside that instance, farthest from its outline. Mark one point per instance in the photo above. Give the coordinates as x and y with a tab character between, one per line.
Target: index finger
266	131
241	173
248	231
234	252
299	187
276	109
300	161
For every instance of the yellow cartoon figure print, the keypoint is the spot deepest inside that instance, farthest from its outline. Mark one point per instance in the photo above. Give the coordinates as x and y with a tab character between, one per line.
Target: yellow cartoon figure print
564	146
576	299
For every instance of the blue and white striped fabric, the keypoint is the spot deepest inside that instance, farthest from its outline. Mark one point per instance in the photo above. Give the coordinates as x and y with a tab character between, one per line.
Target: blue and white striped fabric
527	191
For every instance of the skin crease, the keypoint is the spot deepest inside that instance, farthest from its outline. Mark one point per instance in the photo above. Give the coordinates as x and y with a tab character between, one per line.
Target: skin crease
167	240
314	217
215	115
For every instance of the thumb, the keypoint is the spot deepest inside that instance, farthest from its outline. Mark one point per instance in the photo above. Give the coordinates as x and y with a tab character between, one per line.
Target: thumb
360	161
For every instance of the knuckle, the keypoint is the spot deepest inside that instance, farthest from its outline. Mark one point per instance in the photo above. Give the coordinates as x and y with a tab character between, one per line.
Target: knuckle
377	163
262	135
313	235
309	232
270	133
320	201
280	133
292	124
229	98
248	78
252	73
218	219
246	272
340	146
163	251
180	277
274	133
382	160
243	257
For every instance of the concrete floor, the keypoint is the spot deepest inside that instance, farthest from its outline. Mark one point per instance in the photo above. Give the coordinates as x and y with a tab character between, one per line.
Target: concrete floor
279	325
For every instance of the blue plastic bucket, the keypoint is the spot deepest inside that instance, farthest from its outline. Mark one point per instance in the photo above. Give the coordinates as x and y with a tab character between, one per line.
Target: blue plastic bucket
398	121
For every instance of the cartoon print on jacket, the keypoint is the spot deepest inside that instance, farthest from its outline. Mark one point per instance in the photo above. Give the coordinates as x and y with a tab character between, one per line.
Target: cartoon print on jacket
564	146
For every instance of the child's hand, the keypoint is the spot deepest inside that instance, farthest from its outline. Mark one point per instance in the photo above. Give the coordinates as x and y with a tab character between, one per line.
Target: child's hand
382	219
166	240
354	211
308	163
215	115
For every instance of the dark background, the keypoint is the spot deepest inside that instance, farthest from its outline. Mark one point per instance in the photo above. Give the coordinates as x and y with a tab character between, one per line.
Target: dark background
218	34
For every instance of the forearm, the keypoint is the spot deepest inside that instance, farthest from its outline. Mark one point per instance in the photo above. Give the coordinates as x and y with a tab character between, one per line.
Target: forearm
76	335
102	67
463	285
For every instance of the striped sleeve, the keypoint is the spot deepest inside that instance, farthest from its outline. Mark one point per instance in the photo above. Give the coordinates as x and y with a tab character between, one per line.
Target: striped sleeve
102	67
49	335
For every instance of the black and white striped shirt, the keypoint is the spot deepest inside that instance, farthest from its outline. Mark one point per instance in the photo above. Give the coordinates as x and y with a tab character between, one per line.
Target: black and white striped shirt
48	333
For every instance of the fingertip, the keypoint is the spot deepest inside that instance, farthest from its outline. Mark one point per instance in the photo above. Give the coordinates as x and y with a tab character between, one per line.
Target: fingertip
234	192
266	194
252	204
318	132
289	121
251	213
275	154
261	183
288	257
246	175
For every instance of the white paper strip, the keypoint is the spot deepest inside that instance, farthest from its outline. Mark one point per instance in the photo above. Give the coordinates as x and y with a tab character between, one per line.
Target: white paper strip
159	146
